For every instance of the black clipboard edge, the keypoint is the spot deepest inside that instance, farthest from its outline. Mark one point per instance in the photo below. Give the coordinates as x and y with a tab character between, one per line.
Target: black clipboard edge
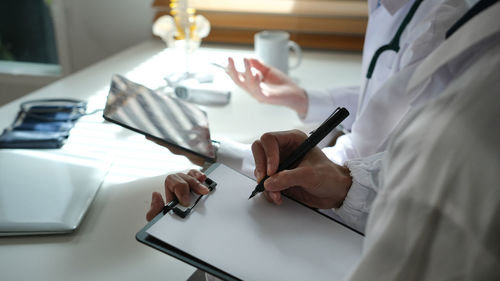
214	166
143	237
298	202
326	216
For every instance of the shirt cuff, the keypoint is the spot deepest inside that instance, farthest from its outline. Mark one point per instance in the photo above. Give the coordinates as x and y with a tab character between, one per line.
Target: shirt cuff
322	103
319	106
364	189
237	156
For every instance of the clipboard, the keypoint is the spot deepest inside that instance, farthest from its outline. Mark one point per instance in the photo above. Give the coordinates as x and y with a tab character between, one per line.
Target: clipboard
254	237
149	240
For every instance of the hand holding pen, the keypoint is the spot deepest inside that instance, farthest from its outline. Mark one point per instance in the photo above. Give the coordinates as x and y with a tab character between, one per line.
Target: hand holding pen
316	181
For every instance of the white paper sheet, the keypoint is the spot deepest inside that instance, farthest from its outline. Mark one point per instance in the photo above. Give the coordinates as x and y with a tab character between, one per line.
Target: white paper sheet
256	240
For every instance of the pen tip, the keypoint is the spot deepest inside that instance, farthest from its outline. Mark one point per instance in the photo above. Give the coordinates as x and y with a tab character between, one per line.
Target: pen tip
251	195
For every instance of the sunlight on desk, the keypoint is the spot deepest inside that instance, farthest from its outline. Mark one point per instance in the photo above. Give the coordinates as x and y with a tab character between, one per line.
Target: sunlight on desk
132	155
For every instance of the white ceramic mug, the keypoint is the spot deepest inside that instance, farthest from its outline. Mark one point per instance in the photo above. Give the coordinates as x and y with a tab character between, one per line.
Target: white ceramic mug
273	48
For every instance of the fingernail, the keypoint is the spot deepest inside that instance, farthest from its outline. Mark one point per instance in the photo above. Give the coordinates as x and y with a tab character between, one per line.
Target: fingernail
258	175
204	188
269	165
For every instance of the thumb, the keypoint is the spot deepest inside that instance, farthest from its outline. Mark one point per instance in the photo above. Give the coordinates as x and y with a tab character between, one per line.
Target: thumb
157	204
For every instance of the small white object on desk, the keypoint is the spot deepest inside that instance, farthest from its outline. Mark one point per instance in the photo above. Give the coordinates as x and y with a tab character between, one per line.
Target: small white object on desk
203	95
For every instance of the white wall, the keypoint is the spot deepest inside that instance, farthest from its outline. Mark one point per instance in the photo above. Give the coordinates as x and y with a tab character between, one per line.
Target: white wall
87	31
99	28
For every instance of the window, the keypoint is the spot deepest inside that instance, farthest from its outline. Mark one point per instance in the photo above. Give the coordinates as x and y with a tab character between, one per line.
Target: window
27	40
327	24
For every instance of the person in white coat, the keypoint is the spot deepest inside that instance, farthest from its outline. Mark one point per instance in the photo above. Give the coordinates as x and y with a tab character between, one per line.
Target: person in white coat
436	212
435	191
408	29
417	26
359	178
435	215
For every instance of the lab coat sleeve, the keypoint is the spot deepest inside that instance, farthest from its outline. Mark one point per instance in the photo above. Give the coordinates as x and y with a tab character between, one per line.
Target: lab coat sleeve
322	103
365	183
237	156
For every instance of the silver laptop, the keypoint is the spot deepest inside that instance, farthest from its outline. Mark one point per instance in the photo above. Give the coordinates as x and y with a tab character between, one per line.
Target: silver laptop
43	192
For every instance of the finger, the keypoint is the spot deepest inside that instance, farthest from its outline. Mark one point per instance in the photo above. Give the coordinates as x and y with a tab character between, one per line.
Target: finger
157	141
177	187
188	184
175	150
275	146
260	160
230	65
288	141
271	148
301	176
247	75
248	69
197	174
157	205
183	194
276	196
254	74
273	197
268	197
234	74
257	64
195	179
252	81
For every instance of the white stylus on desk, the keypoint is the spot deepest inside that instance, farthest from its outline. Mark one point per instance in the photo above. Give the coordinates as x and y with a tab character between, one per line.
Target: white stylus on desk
202	95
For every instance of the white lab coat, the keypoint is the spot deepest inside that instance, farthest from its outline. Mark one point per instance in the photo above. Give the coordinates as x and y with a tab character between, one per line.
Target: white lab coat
436	215
383	106
365	171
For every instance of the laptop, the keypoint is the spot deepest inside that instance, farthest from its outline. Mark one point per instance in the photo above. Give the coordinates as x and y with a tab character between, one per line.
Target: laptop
45	192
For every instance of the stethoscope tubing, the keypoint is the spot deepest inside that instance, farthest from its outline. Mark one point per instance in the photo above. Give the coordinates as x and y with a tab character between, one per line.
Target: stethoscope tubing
393	45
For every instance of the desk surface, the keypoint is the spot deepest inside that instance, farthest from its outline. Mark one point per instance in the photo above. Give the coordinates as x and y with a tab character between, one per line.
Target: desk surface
104	247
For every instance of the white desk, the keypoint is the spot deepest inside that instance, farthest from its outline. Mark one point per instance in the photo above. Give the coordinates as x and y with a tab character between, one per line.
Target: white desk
104	248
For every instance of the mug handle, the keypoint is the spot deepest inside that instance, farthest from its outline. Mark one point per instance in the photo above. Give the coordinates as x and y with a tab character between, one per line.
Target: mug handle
298	52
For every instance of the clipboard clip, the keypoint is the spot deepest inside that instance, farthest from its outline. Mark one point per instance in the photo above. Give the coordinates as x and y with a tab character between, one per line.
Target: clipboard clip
182	211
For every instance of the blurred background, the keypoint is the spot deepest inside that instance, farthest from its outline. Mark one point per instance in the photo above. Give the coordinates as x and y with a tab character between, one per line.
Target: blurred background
42	41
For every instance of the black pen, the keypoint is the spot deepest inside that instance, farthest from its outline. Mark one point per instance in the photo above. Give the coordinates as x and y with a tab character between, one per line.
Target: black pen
316	136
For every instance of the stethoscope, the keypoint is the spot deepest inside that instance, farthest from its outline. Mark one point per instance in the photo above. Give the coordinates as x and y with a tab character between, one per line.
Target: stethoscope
393	45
